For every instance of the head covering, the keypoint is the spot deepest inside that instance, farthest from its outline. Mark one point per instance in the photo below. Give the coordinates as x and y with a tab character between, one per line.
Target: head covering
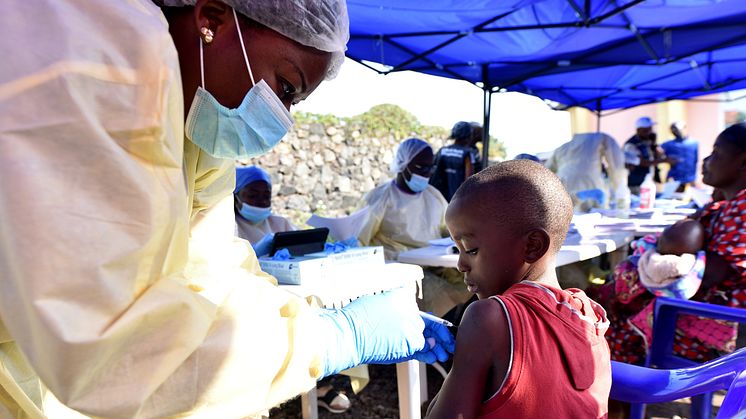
249	174
406	152
461	130
321	24
526	156
644	122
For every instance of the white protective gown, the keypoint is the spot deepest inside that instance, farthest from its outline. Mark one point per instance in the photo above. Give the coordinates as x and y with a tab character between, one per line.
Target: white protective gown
578	164
399	221
255	232
122	288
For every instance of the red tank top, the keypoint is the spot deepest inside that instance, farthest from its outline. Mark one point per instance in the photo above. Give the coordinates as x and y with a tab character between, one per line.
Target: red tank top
560	360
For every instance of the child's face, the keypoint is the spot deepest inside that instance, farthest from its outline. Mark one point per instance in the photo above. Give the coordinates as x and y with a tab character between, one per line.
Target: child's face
491	258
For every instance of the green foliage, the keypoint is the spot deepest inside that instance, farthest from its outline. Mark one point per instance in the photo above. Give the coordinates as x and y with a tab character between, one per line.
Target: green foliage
313	118
497	149
380	120
388	119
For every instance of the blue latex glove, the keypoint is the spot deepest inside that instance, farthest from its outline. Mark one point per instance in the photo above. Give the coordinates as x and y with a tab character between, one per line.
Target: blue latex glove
282	254
597	194
381	329
263	246
336	247
439	343
350	242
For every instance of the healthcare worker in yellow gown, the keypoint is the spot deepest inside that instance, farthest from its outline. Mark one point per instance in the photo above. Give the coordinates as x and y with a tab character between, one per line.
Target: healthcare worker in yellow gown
122	290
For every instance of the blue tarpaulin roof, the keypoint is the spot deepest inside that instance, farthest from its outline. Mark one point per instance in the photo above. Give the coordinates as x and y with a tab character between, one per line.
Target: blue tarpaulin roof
599	54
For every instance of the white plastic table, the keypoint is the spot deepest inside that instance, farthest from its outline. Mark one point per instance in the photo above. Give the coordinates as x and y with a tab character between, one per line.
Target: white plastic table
347	284
574	250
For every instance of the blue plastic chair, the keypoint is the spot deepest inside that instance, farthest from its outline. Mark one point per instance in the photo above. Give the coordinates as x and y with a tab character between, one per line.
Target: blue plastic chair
634	384
661	353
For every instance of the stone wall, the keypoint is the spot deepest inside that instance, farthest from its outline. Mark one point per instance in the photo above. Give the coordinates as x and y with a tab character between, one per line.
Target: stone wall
327	166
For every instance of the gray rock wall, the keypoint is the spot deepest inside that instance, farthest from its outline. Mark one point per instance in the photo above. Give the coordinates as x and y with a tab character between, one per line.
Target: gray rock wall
327	169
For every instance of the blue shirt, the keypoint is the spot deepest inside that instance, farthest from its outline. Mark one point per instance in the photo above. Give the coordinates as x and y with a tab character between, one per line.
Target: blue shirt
686	151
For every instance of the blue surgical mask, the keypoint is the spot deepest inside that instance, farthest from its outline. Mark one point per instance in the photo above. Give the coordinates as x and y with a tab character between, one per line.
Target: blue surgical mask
250	130
254	214
417	183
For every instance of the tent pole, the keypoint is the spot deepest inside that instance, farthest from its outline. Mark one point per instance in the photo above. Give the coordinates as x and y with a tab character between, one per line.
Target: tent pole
486	126
598	115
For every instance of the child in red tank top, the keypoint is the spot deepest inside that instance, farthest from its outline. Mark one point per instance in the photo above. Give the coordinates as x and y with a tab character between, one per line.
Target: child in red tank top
526	348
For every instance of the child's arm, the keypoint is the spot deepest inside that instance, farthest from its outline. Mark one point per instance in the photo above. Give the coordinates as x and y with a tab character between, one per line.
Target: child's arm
481	358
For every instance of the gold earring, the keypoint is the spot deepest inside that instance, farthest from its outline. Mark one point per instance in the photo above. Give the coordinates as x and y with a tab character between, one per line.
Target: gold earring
207	34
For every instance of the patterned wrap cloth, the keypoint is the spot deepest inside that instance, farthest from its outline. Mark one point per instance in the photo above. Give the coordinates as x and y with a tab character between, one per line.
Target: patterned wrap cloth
630	305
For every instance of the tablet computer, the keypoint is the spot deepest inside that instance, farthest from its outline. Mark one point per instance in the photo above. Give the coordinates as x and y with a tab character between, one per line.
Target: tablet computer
300	242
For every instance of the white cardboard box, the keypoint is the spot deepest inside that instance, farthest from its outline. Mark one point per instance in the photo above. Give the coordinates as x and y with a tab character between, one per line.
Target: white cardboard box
317	266
371	255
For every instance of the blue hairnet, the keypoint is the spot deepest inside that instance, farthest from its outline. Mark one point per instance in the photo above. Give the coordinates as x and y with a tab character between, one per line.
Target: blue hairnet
406	152
526	156
248	174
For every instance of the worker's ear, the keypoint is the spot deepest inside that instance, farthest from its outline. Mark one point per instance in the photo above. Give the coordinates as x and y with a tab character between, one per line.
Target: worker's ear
537	245
213	15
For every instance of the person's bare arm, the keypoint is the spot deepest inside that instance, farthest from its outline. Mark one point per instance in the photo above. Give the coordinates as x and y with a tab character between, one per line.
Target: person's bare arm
468	167
717	269
482	347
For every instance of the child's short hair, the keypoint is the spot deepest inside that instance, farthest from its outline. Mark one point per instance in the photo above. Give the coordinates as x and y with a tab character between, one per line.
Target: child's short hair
521	195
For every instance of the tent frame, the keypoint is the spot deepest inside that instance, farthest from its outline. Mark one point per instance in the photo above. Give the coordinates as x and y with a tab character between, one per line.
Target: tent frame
584	19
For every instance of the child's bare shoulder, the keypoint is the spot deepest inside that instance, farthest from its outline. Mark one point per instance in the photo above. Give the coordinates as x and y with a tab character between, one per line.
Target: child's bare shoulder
485	321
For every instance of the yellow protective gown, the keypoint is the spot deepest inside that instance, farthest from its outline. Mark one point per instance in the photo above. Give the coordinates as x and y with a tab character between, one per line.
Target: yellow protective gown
578	164
122	288
399	221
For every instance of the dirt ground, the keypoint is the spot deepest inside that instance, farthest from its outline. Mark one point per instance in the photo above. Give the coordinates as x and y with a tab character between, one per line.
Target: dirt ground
380	400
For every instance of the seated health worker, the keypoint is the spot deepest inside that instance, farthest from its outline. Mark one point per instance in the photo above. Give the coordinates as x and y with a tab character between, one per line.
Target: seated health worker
252	204
407	212
526	347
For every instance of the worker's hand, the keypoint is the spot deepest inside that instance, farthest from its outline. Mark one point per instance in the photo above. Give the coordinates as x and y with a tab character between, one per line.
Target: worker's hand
439	343
380	329
263	246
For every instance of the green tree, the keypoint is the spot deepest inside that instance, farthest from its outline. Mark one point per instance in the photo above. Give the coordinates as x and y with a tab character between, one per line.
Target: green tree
388	119
497	149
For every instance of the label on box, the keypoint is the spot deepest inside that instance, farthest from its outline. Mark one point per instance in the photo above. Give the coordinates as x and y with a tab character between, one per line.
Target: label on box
296	270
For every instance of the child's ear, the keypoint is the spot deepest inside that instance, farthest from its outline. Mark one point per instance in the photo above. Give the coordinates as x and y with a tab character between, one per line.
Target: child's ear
537	245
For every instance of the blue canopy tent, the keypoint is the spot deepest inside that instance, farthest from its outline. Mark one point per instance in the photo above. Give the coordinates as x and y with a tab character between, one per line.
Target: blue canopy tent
598	54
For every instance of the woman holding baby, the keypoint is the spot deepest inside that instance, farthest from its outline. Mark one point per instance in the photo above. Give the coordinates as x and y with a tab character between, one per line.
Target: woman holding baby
673	267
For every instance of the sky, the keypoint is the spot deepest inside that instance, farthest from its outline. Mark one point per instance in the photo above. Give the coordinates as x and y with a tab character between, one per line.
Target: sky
442	102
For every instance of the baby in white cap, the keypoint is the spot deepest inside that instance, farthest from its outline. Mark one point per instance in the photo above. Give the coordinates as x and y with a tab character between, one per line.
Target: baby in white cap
675	267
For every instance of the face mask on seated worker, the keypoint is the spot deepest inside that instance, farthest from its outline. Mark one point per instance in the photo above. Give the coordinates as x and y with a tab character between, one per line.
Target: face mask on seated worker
417	183
254	214
252	129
